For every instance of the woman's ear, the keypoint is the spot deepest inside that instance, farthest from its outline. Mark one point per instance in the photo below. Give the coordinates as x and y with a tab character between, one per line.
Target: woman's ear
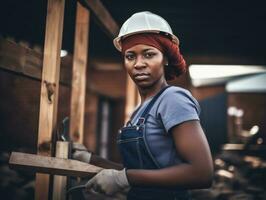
165	61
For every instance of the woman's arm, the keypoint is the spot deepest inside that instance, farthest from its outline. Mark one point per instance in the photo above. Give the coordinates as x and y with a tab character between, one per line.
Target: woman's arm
197	171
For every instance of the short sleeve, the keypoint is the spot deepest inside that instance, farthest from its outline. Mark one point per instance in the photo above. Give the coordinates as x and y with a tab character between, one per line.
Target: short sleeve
177	106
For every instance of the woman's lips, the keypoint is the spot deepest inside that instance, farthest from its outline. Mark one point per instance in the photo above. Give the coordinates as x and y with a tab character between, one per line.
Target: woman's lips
141	76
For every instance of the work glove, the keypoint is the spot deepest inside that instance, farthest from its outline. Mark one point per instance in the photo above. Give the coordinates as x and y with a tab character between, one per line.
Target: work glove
109	182
81	153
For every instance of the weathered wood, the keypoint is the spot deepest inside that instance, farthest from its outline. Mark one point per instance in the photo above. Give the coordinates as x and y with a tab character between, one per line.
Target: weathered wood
107	83
20	59
51	165
12	54
103	16
90	138
49	88
60	182
26	61
79	74
131	98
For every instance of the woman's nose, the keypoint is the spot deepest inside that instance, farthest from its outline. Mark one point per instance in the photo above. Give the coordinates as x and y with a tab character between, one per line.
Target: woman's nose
139	63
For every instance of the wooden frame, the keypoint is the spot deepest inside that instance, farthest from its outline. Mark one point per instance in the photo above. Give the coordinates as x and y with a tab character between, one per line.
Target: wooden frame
49	89
50	84
60	182
21	60
51	165
103	16
78	91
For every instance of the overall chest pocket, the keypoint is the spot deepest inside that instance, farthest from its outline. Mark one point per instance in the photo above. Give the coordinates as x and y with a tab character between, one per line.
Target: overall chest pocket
129	142
133	149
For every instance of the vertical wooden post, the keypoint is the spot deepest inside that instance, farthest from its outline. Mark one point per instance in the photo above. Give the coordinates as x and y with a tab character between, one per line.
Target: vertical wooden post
131	98
60	182
79	74
49	88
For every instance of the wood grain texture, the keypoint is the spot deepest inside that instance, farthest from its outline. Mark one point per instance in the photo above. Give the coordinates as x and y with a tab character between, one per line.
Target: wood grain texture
102	15
78	90
51	165
105	82
49	88
27	62
20	59
60	182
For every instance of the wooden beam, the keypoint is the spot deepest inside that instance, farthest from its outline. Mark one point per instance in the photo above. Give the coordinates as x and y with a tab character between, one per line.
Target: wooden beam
60	182
26	61
103	16
107	83
79	74
51	165
49	88
20	59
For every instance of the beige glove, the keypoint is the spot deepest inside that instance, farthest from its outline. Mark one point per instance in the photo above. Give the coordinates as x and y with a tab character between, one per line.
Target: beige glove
79	147
81	153
109	182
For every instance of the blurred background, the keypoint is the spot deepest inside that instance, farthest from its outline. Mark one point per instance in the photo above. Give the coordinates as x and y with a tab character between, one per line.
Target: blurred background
224	45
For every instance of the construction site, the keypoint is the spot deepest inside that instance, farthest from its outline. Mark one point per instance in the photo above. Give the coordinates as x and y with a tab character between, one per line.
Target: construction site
63	82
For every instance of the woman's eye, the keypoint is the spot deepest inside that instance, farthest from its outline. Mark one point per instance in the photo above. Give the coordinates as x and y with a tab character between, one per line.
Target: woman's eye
149	55
129	56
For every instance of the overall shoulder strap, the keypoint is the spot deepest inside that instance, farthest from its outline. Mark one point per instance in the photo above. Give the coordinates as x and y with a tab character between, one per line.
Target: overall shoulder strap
150	105
132	116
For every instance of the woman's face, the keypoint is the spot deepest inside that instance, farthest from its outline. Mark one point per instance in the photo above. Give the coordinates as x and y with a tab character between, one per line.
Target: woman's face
145	65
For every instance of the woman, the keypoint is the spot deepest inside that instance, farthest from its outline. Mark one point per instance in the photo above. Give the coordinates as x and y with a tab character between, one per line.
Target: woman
163	147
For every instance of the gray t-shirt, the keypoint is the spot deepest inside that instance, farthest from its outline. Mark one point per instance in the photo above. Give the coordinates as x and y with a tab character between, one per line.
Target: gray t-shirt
174	106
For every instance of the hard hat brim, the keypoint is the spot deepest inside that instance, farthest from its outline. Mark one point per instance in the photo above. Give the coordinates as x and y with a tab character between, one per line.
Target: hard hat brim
117	40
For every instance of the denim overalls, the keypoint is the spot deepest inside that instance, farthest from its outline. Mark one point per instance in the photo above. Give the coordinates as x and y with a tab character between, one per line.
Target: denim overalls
136	154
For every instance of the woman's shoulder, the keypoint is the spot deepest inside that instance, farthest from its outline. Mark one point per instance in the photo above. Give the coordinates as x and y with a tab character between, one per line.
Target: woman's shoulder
175	96
175	106
177	91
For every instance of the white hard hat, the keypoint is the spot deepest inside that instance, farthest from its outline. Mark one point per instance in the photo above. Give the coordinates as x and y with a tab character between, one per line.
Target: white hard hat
144	22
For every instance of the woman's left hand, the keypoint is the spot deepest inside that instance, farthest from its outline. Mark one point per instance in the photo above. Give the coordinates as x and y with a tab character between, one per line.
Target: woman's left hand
108	182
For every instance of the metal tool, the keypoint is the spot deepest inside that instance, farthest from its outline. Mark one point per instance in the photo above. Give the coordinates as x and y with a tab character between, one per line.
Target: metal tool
75	188
63	131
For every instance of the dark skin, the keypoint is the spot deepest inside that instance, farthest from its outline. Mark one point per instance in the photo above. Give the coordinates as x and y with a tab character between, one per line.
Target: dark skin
145	65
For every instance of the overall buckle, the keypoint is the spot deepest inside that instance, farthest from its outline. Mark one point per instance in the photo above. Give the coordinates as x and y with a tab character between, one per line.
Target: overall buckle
141	120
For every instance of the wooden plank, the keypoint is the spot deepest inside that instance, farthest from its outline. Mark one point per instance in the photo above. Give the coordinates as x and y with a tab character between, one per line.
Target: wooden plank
107	83
51	165
79	74
103	16
90	138
60	182
26	62
20	59
49	88
12	55
131	98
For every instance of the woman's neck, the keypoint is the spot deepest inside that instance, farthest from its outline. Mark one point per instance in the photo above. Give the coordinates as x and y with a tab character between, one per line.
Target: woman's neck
146	93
